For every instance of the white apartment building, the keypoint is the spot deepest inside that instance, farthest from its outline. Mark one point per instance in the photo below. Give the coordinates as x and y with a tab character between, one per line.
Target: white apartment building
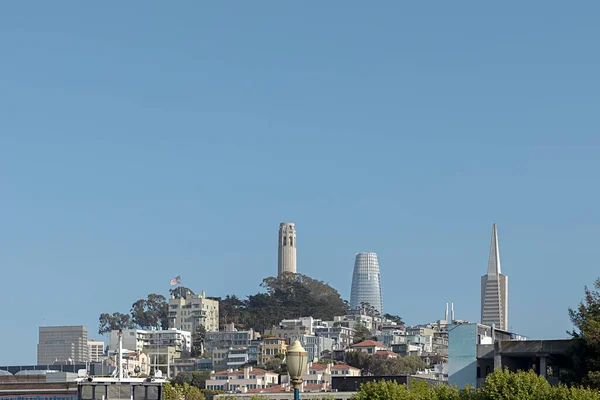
190	311
96	350
138	340
239	380
314	345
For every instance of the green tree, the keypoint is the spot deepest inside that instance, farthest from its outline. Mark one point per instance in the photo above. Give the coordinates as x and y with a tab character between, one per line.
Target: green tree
361	332
198	341
181	378
584	352
199	379
382	390
109	322
151	312
181	392
506	385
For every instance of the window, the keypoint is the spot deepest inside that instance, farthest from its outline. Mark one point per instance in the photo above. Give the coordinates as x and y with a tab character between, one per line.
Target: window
291	241
139	392
119	392
152	393
87	392
284	240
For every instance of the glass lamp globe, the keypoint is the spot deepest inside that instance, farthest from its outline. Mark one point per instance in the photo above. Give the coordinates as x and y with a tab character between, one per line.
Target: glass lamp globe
297	361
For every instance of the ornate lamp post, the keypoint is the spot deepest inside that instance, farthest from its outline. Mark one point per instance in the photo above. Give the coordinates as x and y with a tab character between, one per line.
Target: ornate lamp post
297	364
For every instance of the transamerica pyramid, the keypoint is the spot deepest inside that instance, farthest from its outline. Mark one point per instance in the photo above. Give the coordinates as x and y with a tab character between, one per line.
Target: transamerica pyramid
494	289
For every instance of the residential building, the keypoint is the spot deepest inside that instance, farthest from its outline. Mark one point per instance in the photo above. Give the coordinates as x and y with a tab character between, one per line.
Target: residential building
271	346
368	346
237	357
342	336
352	319
235	380
494	289
321	374
314	345
366	282
189	312
139	340
228	338
286	248
96	350
288	327
135	363
63	344
219	358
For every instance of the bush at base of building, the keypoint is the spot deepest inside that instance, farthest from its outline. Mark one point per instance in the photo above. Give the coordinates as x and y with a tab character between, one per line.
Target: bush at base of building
500	385
181	392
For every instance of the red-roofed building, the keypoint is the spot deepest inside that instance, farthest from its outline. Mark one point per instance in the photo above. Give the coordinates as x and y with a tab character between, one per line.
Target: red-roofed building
319	374
369	347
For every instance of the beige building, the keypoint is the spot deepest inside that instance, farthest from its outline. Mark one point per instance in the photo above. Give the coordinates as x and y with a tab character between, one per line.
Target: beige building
286	248
131	362
96	350
271	346
322	374
241	380
190	311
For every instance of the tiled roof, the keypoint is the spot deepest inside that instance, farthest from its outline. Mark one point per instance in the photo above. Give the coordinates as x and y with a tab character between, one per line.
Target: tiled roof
368	343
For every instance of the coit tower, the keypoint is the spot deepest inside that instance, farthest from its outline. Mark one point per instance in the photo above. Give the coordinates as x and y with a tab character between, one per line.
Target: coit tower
287	248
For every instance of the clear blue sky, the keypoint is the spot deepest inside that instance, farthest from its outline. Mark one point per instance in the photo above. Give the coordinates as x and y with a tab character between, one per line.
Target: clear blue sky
144	140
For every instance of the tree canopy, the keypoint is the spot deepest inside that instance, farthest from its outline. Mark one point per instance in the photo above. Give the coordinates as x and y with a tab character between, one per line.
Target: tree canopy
151	312
585	350
288	296
379	365
500	385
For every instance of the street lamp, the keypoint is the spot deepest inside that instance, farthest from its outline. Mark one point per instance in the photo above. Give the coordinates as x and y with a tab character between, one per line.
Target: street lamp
297	363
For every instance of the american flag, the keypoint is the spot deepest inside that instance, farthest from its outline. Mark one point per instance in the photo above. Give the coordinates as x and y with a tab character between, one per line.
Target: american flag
176	280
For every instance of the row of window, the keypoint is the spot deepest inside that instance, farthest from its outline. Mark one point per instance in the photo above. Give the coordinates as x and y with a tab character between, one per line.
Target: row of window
116	392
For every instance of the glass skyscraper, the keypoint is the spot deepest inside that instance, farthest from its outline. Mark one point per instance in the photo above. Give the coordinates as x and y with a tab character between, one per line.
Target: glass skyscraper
366	282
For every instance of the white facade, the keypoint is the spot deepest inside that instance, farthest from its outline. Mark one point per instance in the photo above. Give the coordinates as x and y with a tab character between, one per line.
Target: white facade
366	282
314	345
190	311
238	380
138	340
286	248
321	374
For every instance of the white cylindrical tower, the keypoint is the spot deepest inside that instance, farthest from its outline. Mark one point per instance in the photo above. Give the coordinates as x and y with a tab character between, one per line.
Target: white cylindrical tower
287	248
366	282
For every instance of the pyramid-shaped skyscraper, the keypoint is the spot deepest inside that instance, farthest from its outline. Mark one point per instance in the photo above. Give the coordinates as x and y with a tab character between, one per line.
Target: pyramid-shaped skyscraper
494	289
